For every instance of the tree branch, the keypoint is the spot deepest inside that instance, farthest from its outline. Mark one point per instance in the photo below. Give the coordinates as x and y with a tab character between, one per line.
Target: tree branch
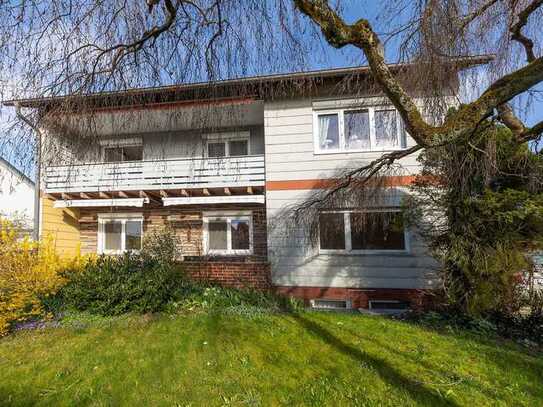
516	29
498	93
508	117
339	34
359	176
532	133
468	19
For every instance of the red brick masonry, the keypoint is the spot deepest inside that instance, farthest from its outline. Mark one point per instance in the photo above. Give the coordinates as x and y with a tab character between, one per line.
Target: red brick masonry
230	274
257	275
360	297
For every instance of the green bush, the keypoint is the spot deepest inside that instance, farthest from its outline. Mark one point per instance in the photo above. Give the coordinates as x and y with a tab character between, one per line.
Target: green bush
162	245
152	281
116	285
243	301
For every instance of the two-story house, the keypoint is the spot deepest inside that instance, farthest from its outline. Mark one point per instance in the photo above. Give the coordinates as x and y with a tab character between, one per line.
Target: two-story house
219	162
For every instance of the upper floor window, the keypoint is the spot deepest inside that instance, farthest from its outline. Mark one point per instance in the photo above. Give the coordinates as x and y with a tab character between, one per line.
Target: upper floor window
366	129
123	153
119	233
228	148
362	231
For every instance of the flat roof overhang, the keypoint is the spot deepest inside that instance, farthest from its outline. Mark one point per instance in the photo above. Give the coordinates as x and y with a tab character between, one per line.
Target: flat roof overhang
256	87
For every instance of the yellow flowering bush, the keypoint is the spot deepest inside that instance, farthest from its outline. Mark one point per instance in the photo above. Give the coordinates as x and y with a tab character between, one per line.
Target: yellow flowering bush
29	271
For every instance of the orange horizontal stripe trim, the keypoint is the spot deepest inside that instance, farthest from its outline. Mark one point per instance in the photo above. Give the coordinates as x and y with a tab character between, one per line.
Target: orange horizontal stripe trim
393	181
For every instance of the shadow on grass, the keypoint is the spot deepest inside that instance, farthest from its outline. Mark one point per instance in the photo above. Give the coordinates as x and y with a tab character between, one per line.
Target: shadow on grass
417	391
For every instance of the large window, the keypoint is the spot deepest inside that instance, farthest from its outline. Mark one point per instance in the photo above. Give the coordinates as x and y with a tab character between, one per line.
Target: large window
362	231
228	233
119	233
367	129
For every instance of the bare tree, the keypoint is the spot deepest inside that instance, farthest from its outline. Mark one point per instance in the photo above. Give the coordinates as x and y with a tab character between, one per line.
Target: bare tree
78	47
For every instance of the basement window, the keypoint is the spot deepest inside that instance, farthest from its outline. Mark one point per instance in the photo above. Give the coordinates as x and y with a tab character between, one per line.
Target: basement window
326	304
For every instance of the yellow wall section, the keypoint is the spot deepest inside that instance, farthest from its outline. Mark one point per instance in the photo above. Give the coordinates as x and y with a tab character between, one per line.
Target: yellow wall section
63	225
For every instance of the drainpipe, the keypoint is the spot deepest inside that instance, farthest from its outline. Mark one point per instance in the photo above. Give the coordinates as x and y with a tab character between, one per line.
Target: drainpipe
37	182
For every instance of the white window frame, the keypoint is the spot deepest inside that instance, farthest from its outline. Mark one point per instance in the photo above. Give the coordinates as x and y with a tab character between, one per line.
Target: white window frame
134	144
348	243
227	216
103	218
401	135
226	138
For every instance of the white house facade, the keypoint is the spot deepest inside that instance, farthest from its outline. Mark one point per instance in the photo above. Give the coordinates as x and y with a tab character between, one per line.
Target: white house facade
220	164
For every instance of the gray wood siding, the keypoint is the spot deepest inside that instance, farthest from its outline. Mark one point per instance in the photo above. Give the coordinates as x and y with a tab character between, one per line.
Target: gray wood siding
296	262
289	144
62	150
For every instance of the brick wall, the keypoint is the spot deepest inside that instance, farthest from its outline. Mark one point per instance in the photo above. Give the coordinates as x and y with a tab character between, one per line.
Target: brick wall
360	297
230	274
187	224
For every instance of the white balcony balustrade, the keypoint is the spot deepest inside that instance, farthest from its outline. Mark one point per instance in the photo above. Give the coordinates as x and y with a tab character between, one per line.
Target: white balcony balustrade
187	173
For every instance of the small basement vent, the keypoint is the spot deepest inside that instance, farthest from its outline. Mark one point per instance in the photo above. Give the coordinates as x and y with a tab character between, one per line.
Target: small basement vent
388	305
331	304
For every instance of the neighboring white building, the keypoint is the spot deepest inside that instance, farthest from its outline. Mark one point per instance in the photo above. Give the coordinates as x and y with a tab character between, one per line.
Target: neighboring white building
16	194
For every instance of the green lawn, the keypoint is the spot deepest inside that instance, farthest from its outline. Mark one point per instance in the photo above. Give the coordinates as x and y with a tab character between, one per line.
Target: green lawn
307	359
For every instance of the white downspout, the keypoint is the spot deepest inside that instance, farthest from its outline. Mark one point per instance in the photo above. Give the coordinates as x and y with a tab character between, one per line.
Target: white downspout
37	181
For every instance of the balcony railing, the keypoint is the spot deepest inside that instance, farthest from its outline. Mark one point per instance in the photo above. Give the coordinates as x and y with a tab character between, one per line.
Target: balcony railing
247	171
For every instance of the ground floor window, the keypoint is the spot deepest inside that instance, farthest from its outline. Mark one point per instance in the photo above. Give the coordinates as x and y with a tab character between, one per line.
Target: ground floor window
119	233
228	233
362	231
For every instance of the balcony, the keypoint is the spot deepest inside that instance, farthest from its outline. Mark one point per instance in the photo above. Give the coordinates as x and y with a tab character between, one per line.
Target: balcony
178	178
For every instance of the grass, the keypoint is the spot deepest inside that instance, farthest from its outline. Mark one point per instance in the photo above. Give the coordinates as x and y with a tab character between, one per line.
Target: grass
306	359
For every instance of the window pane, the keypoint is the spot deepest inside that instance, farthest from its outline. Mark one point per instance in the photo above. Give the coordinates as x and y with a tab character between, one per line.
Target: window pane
113	231
217	235
377	231
113	154
133	235
133	153
328	131
240	234
239	147
386	129
357	130
216	150
332	231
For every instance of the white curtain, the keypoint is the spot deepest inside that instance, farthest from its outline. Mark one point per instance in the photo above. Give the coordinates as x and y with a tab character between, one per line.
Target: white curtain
386	129
328	131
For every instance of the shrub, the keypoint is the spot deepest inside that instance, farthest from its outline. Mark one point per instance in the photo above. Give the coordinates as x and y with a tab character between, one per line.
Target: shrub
111	285
29	272
479	205
243	301
162	245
